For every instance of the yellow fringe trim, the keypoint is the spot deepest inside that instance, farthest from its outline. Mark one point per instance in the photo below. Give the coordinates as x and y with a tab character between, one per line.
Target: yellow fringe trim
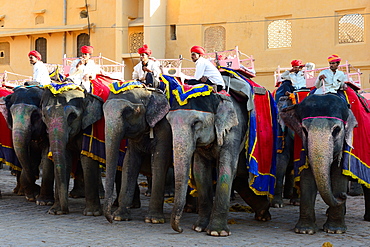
14	167
113	90
63	89
194	95
93	156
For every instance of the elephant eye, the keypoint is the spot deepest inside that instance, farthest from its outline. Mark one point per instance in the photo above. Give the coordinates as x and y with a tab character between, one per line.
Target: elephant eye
335	131
71	117
196	123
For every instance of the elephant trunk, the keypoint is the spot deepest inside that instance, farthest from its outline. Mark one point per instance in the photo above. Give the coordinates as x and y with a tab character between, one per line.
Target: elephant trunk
183	149
112	143
21	135
58	138
321	158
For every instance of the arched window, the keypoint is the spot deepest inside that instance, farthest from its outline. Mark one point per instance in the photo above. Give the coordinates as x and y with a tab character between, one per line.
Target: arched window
279	34
82	39
214	38
351	28
136	41
39	19
4	53
41	46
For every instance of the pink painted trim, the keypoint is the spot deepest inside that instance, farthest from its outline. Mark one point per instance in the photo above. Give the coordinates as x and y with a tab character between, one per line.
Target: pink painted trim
325	117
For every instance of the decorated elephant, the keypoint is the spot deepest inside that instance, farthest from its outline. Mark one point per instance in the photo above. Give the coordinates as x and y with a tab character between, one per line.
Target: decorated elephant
138	114
209	131
30	142
326	126
67	110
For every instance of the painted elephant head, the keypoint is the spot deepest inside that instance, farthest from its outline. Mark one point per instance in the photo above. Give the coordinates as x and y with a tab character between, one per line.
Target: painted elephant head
23	115
203	122
129	115
66	115
325	124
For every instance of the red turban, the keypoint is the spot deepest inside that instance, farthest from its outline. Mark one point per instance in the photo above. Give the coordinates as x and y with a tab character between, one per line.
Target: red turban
334	58
144	49
295	63
35	54
198	49
87	49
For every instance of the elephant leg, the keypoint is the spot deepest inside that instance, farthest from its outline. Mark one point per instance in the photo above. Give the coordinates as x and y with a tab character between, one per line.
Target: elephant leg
92	175
19	190
136	203
259	204
202	172
169	189
335	222
148	192
46	197
78	190
30	173
355	189
283	160
130	172
161	159
307	219
101	186
367	202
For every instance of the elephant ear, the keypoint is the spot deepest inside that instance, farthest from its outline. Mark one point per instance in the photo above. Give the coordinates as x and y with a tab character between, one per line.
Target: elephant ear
350	124
93	110
291	119
156	109
225	119
4	109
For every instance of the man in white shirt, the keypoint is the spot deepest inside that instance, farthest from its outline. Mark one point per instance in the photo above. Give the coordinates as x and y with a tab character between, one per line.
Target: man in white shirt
295	75
205	71
40	72
147	70
84	69
331	80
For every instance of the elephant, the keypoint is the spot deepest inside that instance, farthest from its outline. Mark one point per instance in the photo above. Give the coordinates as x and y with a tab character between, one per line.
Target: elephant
208	132
31	144
284	187
66	114
139	116
325	124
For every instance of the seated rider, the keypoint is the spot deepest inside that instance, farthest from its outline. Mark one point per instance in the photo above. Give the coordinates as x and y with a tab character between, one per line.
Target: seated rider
331	80
292	79
84	69
205	71
147	70
40	72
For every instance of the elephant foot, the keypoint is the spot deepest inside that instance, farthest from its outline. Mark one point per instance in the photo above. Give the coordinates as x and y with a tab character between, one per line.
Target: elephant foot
201	224
148	193
31	194
101	192
277	202
122	214
305	227
43	200
295	202
169	193
18	190
191	205
335	227
77	193
218	229
56	209
136	204
155	218
367	217
262	215
93	211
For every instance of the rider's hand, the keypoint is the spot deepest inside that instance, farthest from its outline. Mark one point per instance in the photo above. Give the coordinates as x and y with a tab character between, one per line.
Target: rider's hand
203	79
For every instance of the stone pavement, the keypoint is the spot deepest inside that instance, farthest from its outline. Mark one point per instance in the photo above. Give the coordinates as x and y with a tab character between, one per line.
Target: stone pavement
25	224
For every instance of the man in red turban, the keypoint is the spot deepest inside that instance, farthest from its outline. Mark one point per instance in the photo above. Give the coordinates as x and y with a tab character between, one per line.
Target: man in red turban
84	69
148	69
331	80
40	72
205	71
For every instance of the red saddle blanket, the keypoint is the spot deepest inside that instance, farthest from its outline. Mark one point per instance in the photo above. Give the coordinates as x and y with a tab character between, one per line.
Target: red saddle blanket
7	154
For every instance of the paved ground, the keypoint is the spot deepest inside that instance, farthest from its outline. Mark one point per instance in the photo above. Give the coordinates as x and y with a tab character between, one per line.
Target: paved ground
26	224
